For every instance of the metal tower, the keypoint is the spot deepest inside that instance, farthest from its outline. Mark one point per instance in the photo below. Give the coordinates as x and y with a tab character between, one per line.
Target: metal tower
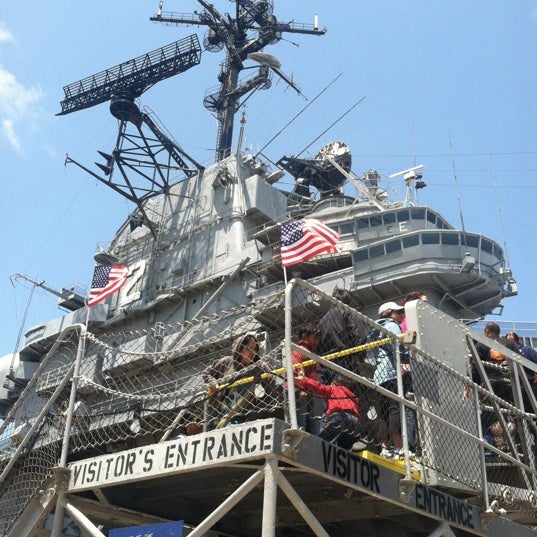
253	27
144	154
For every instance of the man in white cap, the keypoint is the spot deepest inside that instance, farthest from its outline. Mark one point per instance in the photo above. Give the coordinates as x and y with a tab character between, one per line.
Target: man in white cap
388	309
391	315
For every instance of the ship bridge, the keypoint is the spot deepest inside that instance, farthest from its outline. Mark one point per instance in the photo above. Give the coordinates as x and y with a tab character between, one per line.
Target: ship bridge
118	433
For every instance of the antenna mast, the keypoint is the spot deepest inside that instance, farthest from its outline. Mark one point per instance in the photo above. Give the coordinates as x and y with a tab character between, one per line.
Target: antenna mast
413	182
253	27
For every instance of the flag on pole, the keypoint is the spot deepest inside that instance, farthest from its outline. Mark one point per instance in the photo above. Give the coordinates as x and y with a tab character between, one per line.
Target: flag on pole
107	279
303	239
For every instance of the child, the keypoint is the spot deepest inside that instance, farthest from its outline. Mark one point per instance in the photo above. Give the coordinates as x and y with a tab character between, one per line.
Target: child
342	422
307	405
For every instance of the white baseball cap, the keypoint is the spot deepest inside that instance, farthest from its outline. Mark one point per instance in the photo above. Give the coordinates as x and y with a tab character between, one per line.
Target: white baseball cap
390	306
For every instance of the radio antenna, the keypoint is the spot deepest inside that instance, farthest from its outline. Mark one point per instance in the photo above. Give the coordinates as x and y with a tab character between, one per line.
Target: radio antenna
330	126
296	116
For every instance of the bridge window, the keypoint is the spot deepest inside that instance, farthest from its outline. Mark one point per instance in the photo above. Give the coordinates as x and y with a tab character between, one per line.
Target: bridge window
430	238
498	254
363	222
389	218
486	246
412	240
393	246
376	220
450	238
360	255
346	229
403	216
376	251
431	217
417	213
471	241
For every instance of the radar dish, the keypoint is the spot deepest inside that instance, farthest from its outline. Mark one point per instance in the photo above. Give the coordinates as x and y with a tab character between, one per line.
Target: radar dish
327	172
265	59
212	41
338	151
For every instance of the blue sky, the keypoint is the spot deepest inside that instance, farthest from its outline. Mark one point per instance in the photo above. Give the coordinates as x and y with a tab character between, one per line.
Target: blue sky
450	85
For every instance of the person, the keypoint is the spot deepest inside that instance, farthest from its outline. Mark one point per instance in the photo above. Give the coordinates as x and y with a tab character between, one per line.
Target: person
230	404
308	406
528	352
487	355
531	354
390	316
492	430
342	420
338	331
413	295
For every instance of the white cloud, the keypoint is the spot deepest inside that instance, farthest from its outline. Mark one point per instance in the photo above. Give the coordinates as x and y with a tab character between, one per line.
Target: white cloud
5	35
9	133
18	103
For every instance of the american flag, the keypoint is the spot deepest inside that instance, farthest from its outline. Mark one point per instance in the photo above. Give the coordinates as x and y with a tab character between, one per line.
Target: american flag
107	279
303	239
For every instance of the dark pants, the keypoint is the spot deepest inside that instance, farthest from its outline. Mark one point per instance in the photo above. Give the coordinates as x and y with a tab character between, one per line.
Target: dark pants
341	428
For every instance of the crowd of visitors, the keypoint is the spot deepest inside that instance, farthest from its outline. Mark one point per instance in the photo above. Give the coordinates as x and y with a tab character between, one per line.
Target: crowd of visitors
353	415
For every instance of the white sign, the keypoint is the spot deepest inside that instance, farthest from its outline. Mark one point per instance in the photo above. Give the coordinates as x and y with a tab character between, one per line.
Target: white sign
250	440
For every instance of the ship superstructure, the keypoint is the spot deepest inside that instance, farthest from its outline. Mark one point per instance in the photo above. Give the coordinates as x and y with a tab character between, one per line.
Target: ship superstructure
102	400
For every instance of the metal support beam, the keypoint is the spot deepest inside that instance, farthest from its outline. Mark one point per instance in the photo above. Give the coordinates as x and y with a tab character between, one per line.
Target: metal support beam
59	512
442	531
287	356
270	495
37	423
228	504
300	506
79	517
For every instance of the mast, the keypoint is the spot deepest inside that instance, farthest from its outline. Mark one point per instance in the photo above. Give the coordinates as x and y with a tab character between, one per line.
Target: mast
253	27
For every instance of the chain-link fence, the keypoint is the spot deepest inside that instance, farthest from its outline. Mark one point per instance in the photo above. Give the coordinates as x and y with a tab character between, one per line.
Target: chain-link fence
445	426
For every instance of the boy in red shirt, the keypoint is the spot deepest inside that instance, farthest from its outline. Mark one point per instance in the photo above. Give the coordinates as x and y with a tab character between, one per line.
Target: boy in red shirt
342	422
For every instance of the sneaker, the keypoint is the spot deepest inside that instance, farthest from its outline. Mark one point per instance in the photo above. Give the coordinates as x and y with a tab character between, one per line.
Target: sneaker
386	454
358	446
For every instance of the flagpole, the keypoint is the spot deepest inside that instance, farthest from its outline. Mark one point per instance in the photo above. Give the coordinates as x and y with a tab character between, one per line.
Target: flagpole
283	266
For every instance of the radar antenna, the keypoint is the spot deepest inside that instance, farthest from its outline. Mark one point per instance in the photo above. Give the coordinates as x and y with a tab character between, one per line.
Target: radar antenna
413	181
142	146
253	27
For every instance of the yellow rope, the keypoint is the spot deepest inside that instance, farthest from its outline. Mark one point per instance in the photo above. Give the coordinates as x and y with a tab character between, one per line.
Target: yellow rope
307	363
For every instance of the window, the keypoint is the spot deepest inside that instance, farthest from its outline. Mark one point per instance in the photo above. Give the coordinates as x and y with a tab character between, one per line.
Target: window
376	251
376	220
470	241
389	218
486	246
431	217
430	238
403	216
417	213
346	229
360	255
393	246
450	238
412	240
363	222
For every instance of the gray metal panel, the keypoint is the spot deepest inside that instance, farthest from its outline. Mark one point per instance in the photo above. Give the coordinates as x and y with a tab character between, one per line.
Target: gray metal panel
443	337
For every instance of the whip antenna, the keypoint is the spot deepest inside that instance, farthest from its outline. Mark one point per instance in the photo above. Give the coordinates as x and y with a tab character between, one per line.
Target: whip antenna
330	126
296	116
